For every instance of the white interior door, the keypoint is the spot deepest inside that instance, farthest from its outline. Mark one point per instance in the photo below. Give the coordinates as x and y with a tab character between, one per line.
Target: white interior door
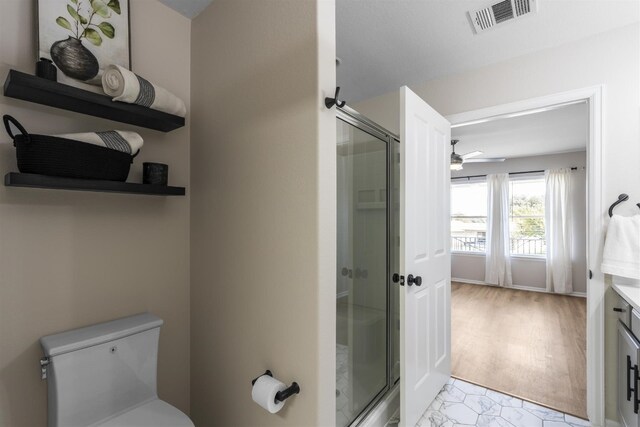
425	319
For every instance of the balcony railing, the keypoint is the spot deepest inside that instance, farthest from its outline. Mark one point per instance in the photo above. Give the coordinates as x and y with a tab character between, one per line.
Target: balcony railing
519	246
468	244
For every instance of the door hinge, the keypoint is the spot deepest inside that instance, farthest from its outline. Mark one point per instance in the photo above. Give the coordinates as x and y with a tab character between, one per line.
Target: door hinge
590	274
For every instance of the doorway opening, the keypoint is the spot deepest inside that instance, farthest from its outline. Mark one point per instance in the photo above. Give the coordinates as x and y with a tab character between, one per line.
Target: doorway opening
518	245
548	335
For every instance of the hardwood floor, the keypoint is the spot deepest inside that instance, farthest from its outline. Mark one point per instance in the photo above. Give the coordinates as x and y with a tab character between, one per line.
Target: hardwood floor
528	344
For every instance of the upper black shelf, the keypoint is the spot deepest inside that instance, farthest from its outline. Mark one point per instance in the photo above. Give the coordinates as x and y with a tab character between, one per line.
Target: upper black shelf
46	92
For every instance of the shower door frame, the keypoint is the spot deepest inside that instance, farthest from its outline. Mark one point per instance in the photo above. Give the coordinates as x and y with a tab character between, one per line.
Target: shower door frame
353	118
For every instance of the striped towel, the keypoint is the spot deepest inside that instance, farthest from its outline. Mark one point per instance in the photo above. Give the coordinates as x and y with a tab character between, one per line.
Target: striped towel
124	86
120	140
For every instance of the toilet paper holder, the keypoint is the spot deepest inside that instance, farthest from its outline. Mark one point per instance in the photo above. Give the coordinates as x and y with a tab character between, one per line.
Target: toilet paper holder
283	395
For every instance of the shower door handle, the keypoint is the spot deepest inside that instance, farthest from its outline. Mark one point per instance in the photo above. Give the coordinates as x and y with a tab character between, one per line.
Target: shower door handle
398	279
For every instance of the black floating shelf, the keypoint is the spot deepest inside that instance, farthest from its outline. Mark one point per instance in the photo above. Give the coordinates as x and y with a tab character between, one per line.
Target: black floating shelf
46	92
15	179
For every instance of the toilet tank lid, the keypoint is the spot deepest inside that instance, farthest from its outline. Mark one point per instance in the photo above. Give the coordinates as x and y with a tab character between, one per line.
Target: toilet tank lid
77	339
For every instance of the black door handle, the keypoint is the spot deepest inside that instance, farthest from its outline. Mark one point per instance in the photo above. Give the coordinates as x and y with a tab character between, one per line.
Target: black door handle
629	389
619	310
632	391
414	280
636	402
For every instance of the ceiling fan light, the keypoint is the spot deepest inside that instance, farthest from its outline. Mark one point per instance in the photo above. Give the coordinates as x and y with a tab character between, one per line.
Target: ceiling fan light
456	159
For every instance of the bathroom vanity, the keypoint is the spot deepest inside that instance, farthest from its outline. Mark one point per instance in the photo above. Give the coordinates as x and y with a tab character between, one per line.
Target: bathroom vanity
627	308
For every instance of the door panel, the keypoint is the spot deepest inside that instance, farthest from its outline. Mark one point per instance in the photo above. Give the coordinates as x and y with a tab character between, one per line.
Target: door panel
440	179
424	228
422	306
440	318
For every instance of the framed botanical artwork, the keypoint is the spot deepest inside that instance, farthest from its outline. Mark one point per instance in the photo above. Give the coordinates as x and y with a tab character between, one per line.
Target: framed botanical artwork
82	37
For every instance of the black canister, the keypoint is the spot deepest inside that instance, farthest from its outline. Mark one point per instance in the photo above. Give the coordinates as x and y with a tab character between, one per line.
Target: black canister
155	173
46	69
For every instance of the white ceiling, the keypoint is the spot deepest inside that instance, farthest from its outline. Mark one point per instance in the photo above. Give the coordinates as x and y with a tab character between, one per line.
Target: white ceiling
188	8
557	131
384	44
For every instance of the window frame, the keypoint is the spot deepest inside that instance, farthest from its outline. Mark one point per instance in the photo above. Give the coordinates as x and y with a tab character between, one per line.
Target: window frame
523	177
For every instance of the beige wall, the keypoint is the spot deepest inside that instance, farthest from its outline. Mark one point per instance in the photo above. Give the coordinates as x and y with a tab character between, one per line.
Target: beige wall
69	259
611	59
263	210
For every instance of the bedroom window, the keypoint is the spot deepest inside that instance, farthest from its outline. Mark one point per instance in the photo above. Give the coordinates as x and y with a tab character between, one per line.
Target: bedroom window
526	217
469	217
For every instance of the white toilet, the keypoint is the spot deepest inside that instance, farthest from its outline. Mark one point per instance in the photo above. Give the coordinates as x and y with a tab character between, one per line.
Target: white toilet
105	375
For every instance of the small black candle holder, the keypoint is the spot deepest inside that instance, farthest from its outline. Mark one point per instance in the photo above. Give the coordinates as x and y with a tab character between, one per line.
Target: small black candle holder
155	173
46	69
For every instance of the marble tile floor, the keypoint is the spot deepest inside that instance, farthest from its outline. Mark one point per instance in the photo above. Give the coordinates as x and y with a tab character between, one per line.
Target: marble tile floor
343	414
462	404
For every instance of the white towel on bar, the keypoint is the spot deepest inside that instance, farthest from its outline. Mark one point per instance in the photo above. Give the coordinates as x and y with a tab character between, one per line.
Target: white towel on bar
126	86
621	256
120	140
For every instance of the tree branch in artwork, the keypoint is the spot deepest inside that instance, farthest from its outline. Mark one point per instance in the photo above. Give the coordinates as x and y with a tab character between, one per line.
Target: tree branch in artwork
85	27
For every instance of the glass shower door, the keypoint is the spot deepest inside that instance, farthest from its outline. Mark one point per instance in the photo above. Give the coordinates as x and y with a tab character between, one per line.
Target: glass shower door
362	292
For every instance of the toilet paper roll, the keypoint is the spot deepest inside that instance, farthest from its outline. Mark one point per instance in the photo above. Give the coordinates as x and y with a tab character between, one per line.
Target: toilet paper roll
264	393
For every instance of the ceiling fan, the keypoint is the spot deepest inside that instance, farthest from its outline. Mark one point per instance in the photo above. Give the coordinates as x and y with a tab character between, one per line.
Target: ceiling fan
457	160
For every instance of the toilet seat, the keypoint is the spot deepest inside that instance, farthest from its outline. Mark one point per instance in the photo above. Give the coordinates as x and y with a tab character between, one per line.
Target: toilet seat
155	413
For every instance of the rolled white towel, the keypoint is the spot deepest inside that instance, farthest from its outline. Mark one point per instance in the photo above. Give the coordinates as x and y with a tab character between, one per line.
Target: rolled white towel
621	255
120	140
125	86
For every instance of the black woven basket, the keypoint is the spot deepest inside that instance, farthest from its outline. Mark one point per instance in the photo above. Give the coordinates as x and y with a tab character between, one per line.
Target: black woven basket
49	155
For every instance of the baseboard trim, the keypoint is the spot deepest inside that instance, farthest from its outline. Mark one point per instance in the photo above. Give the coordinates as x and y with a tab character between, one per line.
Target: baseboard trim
611	423
520	288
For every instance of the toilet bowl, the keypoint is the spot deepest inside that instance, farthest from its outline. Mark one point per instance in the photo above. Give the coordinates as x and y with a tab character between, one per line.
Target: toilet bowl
105	375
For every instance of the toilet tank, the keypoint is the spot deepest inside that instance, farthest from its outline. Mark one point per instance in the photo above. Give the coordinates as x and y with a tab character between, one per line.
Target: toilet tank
99	371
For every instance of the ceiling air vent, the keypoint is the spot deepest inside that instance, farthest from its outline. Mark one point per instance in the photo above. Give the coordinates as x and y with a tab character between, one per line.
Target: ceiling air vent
502	11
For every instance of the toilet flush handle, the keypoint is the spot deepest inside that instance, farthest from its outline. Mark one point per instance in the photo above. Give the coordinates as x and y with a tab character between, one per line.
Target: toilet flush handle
44	362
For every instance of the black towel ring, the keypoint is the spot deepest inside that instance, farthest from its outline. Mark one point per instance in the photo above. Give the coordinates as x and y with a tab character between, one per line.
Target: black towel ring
621	198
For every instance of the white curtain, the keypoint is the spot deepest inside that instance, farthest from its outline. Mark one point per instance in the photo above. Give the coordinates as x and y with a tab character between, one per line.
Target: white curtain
558	230
498	257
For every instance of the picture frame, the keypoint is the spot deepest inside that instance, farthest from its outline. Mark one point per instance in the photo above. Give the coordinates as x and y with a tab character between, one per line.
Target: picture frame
82	37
